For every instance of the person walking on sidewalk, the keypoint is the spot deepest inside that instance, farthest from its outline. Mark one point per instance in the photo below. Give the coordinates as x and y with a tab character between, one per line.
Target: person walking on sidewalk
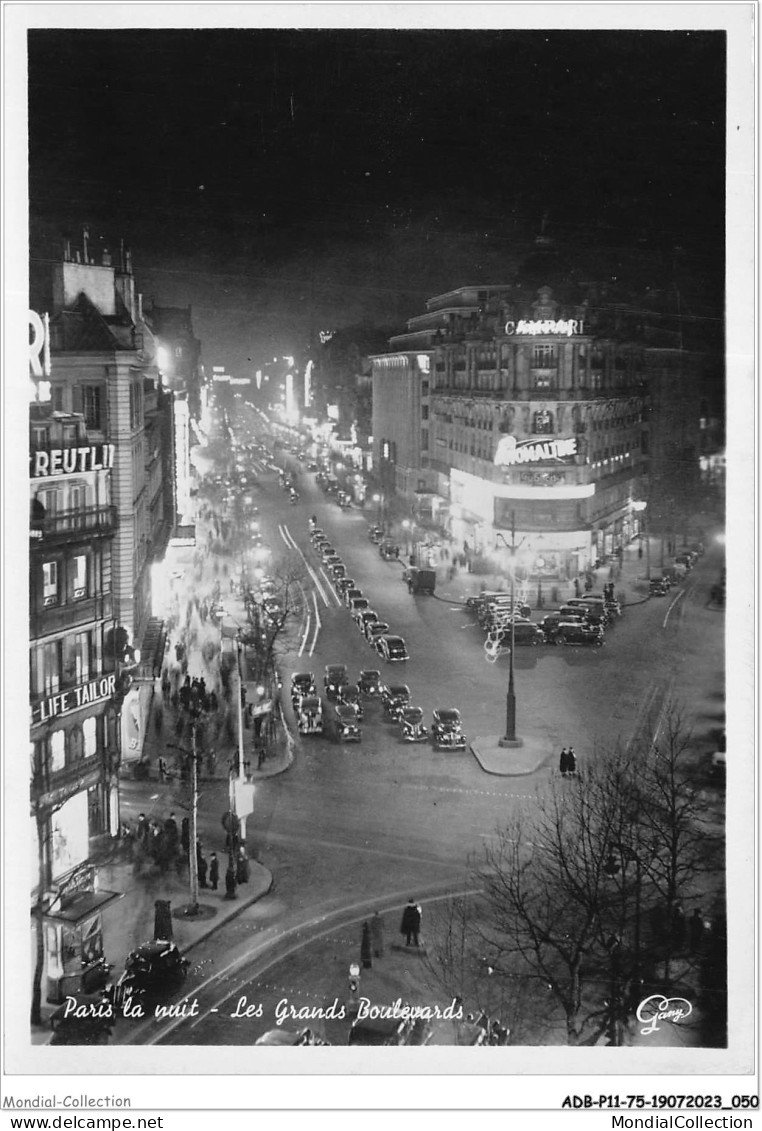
563	764
242	866
214	871
377	935
410	926
202	865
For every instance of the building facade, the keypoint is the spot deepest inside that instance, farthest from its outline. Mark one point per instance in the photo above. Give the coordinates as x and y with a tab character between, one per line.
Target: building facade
527	419
75	683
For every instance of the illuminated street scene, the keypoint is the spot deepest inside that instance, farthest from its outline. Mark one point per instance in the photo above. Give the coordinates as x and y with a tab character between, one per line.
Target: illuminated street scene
377	471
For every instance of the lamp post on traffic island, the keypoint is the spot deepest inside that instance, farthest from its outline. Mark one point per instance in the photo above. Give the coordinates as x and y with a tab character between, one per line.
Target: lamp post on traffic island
509	739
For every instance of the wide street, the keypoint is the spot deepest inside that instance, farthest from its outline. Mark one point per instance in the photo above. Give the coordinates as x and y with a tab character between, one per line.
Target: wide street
358	827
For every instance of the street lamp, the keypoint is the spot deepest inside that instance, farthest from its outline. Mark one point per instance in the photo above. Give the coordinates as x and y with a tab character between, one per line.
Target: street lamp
377	501
406	528
641	508
510	738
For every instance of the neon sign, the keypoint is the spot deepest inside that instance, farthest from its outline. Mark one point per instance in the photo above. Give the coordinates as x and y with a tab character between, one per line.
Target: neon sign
92	692
509	451
71	461
547	326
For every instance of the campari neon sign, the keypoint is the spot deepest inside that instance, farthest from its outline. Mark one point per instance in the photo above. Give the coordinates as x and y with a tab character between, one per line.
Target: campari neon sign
563	328
510	451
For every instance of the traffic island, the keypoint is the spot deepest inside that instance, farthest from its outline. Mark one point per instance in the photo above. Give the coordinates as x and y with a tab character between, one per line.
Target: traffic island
506	758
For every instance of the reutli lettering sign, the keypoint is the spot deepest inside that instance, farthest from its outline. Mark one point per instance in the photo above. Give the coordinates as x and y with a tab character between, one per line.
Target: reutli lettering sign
510	451
72	700
71	461
563	328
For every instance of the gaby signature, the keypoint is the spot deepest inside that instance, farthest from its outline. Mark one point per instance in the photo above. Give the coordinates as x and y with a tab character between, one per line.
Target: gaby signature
658	1008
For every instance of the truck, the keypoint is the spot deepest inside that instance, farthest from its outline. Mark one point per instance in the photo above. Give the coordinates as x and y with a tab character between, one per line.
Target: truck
420	580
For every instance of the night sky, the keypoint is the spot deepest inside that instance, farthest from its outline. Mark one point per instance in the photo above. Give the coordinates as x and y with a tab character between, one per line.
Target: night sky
284	182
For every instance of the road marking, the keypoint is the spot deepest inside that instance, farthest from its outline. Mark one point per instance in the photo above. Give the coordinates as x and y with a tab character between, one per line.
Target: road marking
318	624
331	589
671	607
289	540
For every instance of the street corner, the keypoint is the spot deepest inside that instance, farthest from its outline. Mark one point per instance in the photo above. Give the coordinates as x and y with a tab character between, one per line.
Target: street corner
526	756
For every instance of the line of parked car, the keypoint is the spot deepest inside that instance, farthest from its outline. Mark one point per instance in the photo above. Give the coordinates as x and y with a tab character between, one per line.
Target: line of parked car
346	698
580	621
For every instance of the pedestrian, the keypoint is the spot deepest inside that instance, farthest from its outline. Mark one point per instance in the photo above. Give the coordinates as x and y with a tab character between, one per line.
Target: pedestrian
563	764
377	935
576	587
678	927
410	926
202	866
242	866
170	828
696	930
214	871
185	836
143	828
162	764
571	762
366	953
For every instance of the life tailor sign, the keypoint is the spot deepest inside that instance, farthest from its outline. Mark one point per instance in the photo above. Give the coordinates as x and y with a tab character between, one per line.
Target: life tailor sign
510	451
563	328
73	699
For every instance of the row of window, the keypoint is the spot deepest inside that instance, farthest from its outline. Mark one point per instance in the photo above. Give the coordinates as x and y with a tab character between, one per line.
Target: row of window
65	580
66	747
90	401
58	664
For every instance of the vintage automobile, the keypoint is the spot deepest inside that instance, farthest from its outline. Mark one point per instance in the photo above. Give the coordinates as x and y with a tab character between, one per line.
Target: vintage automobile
345	583
570	632
286	1037
337	571
412	728
659	586
364	617
310	715
152	969
358	604
369	682
347	723
382	1031
350	594
392	648
344	500
374	629
523	632
394	698
335	678
327	552
376	534
302	683
446	730
550	622
350	695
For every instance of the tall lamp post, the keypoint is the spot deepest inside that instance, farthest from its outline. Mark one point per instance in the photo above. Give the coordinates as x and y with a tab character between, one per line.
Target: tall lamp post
510	739
642	509
406	528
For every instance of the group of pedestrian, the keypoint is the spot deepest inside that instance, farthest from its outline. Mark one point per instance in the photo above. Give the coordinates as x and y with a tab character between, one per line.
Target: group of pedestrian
568	762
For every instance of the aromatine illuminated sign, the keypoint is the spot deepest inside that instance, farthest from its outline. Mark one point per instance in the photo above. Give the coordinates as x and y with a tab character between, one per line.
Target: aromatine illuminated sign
566	329
71	461
510	451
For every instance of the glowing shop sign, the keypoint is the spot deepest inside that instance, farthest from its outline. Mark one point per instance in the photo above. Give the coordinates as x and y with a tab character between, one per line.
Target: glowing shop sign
92	692
546	326
509	451
71	461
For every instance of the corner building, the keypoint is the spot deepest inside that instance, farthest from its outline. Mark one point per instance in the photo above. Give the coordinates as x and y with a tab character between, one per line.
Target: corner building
526	418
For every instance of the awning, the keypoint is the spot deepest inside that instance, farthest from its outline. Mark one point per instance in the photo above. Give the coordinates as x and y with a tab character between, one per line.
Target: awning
81	905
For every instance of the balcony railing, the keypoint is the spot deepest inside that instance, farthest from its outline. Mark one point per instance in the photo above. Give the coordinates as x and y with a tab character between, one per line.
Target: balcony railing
85	520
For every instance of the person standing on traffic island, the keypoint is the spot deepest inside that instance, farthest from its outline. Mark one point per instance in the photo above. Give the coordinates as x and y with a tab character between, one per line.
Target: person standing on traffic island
366	953
563	763
410	926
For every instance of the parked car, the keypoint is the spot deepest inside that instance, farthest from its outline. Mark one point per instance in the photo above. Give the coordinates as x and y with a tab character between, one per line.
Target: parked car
155	968
446	730
412	727
524	632
374	629
659	586
550	622
337	571
347	723
302	683
421	580
591	611
358	604
376	533
381	1031
316	533
344	500
364	617
571	632
369	682
350	695
344	583
393	649
327	552
335	677
285	1037
350	594
394	698
309	717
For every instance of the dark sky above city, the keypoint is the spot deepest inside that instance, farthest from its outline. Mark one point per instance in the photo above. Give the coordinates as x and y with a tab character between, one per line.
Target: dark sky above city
286	181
